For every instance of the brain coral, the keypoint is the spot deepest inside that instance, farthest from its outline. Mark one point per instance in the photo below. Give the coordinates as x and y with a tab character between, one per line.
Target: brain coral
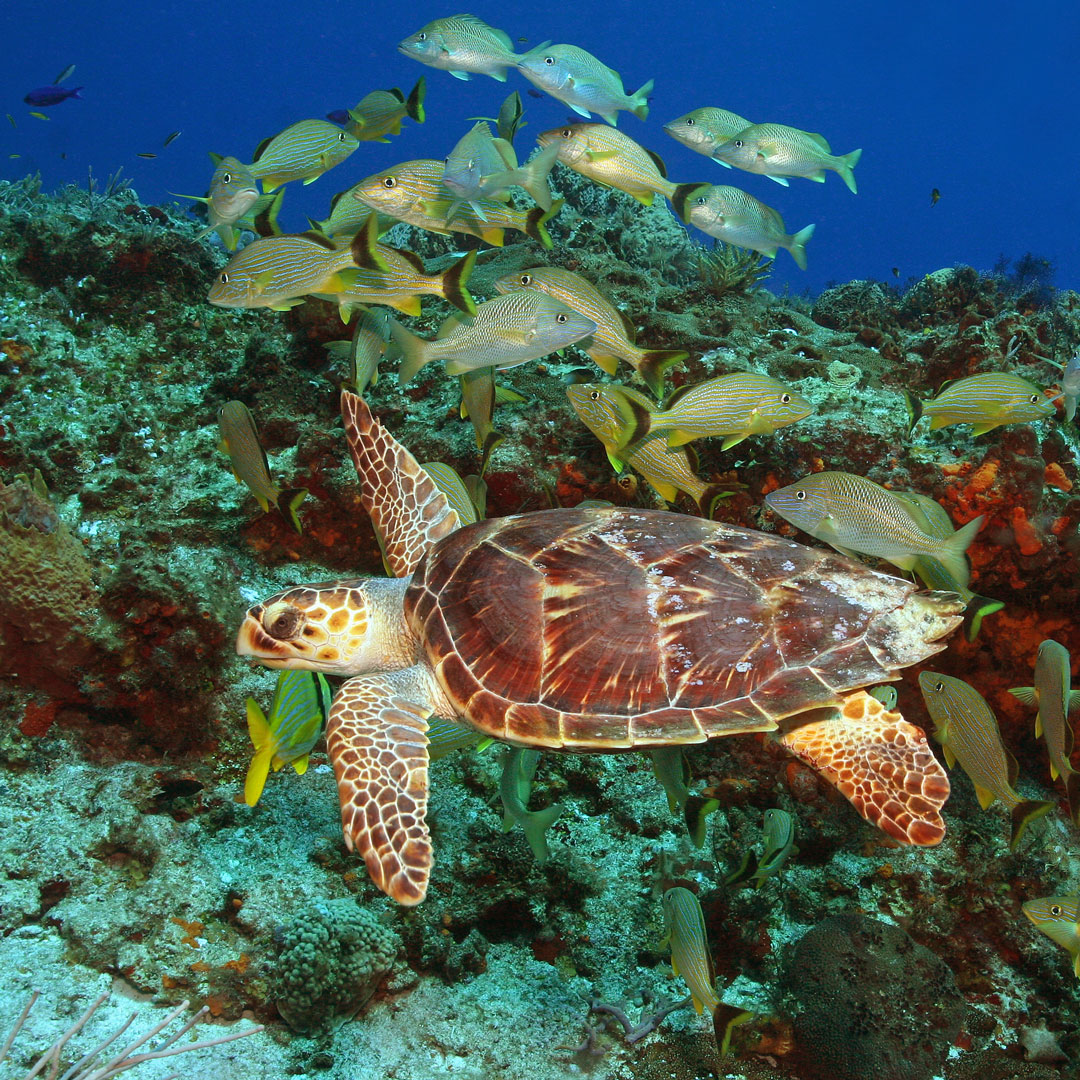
871	1003
332	957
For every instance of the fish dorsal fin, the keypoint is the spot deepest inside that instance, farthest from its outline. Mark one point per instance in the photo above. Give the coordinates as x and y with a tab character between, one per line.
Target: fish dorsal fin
217	159
396	92
320	239
677	395
629	329
409	513
1012	767
412	259
261	148
658	161
820	140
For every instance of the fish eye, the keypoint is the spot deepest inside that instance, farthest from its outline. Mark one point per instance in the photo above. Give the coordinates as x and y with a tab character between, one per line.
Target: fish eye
226	178
567	133
341	136
738	144
389	182
1034	399
224	279
526	279
549	60
938	687
785	398
561	317
1055	909
421	37
594	395
800	495
689	121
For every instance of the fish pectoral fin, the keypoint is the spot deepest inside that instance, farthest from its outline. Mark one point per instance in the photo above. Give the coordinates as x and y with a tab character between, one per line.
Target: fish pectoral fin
1026	695
731	440
1074	700
615	461
301	764
781	180
985	796
581	111
601	155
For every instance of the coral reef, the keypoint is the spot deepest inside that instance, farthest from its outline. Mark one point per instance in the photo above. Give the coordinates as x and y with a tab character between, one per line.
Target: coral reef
333	956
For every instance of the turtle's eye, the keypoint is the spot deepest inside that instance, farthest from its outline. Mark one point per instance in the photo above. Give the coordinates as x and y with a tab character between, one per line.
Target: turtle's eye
389	182
224	279
800	495
526	279
282	621
1055	909
785	399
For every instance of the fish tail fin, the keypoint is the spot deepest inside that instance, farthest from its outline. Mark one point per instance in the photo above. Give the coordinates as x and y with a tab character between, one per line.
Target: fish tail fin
914	410
978	607
536	223
745	870
798	246
641	100
635	420
849	161
653	365
364	247
952	554
533	175
263	741
1023	814
712	494
454	282
288	502
415	351
679	197
414	103
1072	793
535	824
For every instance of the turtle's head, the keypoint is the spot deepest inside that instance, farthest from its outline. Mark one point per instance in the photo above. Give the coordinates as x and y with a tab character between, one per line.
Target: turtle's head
338	627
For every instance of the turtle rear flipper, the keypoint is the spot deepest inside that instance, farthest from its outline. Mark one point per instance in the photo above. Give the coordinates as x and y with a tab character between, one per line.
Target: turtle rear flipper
408	511
882	764
377	741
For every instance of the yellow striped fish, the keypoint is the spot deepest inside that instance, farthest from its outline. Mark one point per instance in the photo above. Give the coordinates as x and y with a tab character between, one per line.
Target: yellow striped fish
233	195
303	151
735	406
1054	697
778	151
479	394
605	155
298	714
705	129
414	192
240	440
449	482
1058	917
967	729
986	401
614	337
277	272
463	45
348	216
381	112
691	960
364	350
731	215
667	471
505	331
854	514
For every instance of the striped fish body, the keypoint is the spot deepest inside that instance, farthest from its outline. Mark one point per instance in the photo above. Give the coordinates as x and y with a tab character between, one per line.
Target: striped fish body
779	835
691	960
854	514
705	129
967	729
576	78
413	192
605	155
1070	386
667	471
986	401
463	45
303	151
735	406
1058	917
366	349
1054	697
405	280
614	337
277	270
732	215
778	151
449	482
381	112
506	331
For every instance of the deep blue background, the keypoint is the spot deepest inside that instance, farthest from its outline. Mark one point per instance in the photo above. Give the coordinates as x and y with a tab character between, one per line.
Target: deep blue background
978	100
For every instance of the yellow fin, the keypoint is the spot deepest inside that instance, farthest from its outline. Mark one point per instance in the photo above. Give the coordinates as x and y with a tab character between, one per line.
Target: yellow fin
301	764
985	797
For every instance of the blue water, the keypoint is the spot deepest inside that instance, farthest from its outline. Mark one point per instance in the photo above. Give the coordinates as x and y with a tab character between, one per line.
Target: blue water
977	100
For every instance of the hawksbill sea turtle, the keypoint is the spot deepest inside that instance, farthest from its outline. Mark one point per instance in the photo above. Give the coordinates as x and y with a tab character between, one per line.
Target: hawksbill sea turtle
596	630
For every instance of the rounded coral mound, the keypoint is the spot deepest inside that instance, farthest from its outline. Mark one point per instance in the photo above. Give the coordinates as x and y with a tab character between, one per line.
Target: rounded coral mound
871	1003
333	955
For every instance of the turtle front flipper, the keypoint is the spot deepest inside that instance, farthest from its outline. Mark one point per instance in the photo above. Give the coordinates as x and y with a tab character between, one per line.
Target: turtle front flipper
881	763
377	740
408	511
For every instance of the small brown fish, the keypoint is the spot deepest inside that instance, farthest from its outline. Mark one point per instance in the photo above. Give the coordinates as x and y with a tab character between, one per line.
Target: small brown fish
934	196
240	440
172	135
146	155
